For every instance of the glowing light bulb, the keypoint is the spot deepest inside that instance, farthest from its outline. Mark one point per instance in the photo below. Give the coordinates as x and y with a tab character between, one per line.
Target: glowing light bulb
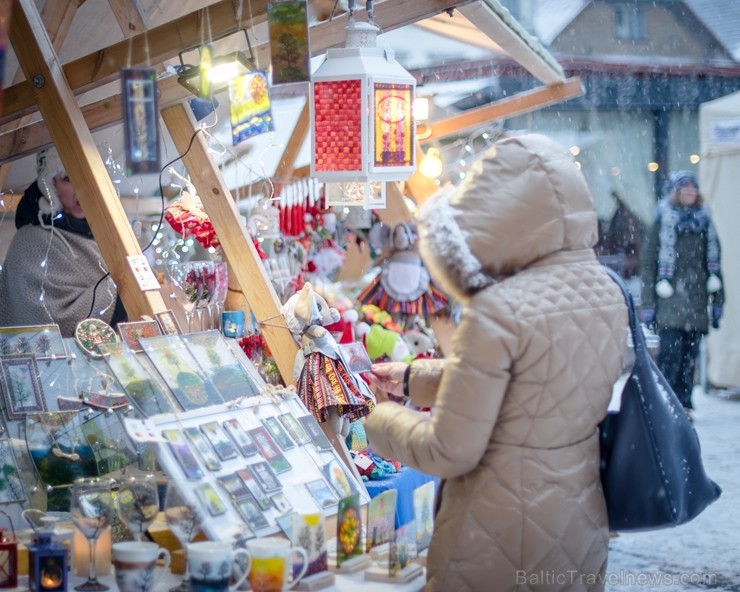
431	165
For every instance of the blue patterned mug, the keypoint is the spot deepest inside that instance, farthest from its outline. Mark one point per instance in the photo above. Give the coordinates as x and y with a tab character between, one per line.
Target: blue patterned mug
211	564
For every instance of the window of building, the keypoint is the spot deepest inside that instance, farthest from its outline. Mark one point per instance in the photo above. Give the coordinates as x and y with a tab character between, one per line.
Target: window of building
630	21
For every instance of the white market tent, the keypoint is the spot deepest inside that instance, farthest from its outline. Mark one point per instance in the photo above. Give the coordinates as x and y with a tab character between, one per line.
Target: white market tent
719	124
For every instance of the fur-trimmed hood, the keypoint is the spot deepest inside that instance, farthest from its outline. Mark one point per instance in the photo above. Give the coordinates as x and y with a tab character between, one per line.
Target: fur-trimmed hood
523	200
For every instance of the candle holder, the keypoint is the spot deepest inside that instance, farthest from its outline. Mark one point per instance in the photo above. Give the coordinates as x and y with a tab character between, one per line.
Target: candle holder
8	556
47	564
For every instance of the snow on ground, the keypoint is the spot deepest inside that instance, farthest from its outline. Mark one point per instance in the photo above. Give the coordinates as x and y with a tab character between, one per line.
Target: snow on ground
703	554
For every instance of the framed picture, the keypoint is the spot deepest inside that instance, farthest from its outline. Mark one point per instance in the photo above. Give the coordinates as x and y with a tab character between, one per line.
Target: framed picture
44	341
181	371
168	322
210	499
253	516
381	518
204	449
221	443
288	28
322	493
338	479
269	449
143	386
233	485
11	486
278	433
132	332
317	435
296	431
242	439
182	453
21	386
140	117
281	502
254	488
265	476
222	367
355	357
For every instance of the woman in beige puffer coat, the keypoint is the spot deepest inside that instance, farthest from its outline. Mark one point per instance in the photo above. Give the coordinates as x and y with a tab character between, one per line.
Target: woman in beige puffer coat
513	431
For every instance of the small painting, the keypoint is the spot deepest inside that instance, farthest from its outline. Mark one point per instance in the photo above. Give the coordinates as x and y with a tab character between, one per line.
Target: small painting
349	529
338	479
90	333
250	110
168	322
182	453
21	386
43	341
403	548
254	488
381	518
210	499
322	493
221	443
281	502
355	357
309	531
265	476
270	449
207	454
296	431
278	433
242	439
132	332
140	119
233	485
313	429
251	513
423	497
288	27
11	486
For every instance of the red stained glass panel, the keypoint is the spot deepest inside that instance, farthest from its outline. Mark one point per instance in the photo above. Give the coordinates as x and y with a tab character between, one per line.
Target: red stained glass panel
338	126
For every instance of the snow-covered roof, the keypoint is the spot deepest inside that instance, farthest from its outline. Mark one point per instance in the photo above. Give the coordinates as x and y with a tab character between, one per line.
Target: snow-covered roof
723	19
550	17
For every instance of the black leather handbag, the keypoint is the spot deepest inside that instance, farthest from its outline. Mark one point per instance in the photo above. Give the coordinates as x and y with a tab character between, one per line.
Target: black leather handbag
651	467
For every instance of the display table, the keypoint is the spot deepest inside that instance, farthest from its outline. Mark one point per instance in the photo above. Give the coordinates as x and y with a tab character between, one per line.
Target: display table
404	482
343	583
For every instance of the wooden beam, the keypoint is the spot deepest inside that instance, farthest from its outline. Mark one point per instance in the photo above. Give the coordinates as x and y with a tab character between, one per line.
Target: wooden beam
168	40
129	15
153	46
31	138
57	18
523	102
234	237
286	165
80	157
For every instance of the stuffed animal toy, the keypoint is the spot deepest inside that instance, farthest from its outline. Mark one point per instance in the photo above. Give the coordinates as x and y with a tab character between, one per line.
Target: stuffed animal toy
383	344
328	389
403	287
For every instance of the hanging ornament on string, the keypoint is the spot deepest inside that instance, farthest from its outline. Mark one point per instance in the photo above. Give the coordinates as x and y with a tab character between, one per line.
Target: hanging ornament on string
187	217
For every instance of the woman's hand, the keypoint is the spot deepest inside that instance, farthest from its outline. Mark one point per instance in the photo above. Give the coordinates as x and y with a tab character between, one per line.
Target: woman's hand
388	377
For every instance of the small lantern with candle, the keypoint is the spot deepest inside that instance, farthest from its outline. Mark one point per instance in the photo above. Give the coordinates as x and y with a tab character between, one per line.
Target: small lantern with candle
8	556
47	562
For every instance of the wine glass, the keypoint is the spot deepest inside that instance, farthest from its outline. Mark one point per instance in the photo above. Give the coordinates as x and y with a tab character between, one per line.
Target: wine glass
205	271
138	503
91	503
218	293
184	520
186	281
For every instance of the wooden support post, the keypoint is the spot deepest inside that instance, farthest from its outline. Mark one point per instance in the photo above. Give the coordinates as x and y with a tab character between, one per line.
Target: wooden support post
80	157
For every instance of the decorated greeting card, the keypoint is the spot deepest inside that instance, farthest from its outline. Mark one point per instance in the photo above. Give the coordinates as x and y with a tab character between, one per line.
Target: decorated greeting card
349	529
381	518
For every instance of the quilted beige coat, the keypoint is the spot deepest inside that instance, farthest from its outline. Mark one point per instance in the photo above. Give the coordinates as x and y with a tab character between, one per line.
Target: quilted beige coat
517	403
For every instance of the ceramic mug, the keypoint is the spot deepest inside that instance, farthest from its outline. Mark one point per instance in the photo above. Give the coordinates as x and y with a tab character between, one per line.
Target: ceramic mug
211	564
272	564
135	563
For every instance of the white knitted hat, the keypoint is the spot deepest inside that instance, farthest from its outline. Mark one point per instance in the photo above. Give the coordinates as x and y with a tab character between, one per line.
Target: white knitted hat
48	167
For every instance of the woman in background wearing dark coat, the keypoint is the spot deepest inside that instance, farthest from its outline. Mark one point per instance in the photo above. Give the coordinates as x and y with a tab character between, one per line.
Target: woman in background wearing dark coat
682	281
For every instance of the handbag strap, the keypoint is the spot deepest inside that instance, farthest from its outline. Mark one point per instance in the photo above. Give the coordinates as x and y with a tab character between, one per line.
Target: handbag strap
638	337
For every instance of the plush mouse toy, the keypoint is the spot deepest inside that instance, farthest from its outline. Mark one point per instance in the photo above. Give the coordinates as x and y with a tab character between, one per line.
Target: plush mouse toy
325	384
